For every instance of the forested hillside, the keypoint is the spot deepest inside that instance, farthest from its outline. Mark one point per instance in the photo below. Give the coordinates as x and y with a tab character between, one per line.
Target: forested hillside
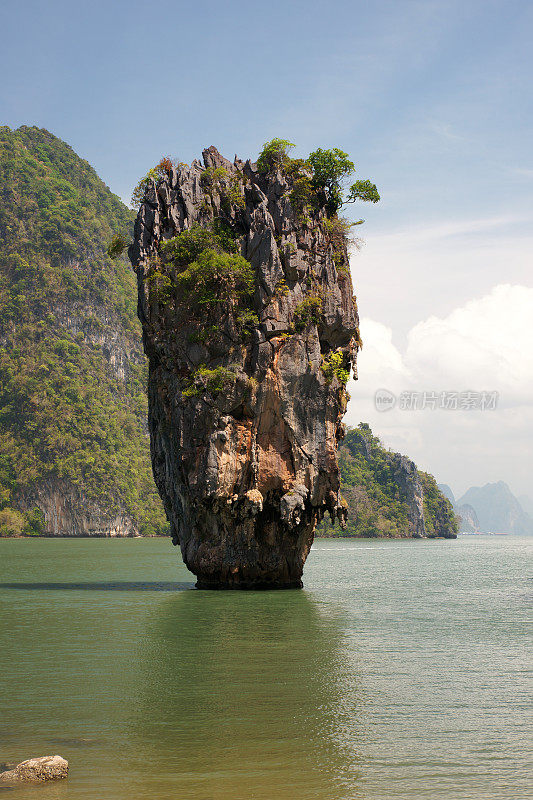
74	454
386	495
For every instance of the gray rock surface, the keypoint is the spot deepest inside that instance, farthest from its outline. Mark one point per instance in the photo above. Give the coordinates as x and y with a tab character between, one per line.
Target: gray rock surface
469	522
69	512
37	770
447	492
407	478
246	473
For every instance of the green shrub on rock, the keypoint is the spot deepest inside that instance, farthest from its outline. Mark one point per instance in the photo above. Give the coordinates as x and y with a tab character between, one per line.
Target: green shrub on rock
330	168
216	277
323	171
333	367
214	380
12	522
185	248
274	155
309	311
227	186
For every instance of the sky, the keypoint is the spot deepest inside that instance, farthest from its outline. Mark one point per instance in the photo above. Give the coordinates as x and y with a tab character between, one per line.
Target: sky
432	99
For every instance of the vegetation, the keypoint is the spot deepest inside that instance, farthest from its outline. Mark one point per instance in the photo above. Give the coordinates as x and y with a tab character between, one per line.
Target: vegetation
215	380
376	507
330	168
338	233
161	170
333	367
227	185
274	155
434	508
322	170
281	287
309	311
247	320
215	278
12	523
117	246
303	195
188	245
202	271
63	413
201	267
376	503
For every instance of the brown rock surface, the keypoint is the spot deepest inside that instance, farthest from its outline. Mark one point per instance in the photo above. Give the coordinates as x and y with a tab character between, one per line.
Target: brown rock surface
245	471
37	770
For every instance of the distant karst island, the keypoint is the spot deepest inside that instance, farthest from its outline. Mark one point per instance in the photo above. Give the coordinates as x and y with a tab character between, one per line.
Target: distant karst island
491	508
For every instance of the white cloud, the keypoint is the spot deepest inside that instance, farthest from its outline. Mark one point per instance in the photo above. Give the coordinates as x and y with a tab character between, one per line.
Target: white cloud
379	360
445	130
486	344
522	172
417	236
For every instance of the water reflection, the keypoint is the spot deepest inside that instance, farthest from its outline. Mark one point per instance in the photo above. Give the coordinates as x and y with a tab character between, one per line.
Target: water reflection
102	586
247	695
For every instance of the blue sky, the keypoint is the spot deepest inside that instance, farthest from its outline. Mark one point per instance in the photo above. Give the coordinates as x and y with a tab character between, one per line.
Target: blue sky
431	99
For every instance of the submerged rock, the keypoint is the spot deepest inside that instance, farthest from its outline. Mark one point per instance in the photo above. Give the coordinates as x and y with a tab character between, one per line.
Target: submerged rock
251	329
37	770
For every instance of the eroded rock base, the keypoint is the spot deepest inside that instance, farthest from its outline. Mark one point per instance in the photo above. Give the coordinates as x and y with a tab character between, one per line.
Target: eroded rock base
203	583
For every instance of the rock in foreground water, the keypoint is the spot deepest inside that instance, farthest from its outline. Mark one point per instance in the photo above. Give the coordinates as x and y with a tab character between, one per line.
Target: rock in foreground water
37	770
251	330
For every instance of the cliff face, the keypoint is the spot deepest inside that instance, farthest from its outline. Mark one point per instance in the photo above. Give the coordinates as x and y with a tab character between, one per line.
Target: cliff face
469	522
439	515
74	450
386	495
68	511
249	349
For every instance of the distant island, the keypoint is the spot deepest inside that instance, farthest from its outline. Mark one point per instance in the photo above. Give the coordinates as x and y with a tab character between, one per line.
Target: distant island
491	508
386	495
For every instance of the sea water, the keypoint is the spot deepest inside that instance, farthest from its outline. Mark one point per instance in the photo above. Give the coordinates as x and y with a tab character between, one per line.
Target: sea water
399	673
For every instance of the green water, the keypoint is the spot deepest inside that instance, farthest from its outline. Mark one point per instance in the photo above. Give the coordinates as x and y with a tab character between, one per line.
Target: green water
399	673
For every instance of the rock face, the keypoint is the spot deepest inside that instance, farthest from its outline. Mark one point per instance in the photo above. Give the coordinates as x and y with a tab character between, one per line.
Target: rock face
37	770
67	511
441	520
447	492
469	521
407	479
245	397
